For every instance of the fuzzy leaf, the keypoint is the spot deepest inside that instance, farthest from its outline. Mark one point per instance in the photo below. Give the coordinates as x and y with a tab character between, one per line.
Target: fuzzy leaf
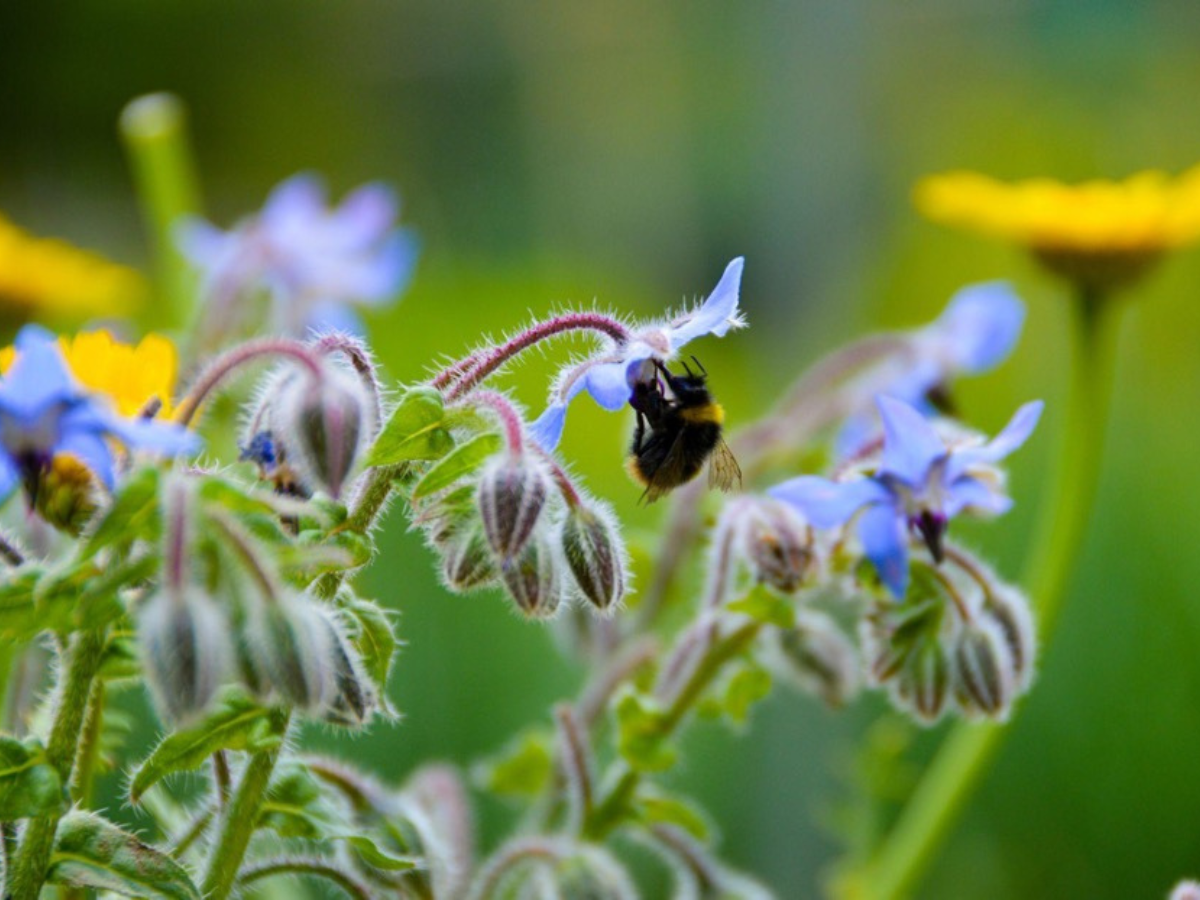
295	806
372	855
655	808
522	769
373	638
20	618
641	729
764	605
746	687
234	722
29	786
462	460
414	430
91	852
133	514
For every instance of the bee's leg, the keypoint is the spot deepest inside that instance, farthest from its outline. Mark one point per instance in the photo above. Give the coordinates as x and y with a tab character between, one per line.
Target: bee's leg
639	432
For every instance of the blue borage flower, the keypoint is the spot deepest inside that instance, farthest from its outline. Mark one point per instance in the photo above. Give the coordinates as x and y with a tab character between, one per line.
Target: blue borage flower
44	412
920	484
609	377
314	261
974	334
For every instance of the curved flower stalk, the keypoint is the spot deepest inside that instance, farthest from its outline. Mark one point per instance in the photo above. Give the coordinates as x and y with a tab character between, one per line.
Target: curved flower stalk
315	263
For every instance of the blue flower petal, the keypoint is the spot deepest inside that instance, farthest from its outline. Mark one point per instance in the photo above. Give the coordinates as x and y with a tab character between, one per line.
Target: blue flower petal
93	451
294	204
607	384
9	477
885	543
1013	435
827	504
547	430
718	312
38	379
364	214
976	495
329	316
157	437
981	325
910	445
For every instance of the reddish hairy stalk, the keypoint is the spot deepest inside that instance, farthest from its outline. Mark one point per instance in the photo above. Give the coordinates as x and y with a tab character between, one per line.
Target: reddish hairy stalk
227	363
508	416
488	361
354	351
562	480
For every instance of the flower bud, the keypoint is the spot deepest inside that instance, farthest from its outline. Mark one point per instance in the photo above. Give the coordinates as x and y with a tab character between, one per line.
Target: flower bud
1009	609
354	700
292	641
817	657
67	494
777	544
323	424
532	580
985	677
922	686
184	638
467	561
512	494
592	546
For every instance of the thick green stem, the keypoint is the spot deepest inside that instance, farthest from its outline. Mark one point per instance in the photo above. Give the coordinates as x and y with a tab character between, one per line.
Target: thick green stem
969	749
240	819
83	657
154	129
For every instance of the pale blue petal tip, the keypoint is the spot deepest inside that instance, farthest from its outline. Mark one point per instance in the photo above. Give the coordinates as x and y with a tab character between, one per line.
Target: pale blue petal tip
547	430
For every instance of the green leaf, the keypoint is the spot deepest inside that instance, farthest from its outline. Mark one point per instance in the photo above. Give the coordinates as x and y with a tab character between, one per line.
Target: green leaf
296	807
764	605
20	619
133	513
91	852
655	807
235	721
523	769
414	430
746	687
372	855
463	460
373	638
29	786
641	732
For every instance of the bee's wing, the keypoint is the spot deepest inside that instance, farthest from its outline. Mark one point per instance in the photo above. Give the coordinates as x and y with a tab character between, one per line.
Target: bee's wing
669	475
724	473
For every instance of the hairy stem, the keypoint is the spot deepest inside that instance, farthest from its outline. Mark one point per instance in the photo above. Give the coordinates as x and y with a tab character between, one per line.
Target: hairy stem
83	657
967	752
314	867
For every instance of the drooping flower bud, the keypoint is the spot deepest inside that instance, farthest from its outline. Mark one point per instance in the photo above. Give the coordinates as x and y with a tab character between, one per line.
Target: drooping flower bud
1009	609
354	700
533	580
291	640
323	424
817	657
186	650
467	561
595	554
67	494
512	494
984	674
923	685
777	543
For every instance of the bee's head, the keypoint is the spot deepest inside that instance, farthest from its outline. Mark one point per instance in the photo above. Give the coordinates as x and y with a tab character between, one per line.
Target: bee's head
690	388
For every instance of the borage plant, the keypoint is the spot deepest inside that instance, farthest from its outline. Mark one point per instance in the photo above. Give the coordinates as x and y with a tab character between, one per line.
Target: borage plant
225	587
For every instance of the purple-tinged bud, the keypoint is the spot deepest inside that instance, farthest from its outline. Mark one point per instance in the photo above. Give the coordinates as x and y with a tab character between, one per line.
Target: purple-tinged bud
512	494
467	561
923	685
817	657
594	552
186	652
777	544
533	580
354	700
985	677
323	424
291	640
1186	890
1009	609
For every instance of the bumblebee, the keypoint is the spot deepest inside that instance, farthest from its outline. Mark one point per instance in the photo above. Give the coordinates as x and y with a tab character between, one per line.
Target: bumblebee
677	434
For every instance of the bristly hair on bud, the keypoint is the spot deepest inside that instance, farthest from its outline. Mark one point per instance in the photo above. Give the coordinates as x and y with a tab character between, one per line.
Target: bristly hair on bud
512	494
354	700
533	580
467	561
595	553
186	655
984	674
775	541
323	424
291	639
817	657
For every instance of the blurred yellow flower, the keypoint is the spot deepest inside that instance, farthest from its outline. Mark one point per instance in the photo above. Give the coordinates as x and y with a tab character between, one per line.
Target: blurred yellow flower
1099	234
44	277
130	376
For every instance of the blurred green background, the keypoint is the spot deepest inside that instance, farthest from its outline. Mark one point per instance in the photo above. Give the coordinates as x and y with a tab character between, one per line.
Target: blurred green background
560	153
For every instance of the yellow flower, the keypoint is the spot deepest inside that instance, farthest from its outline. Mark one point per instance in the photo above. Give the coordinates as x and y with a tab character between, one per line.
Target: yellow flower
49	278
1100	234
130	376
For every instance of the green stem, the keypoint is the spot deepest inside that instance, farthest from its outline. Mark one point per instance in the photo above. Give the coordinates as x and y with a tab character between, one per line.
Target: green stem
89	747
154	128
967	752
83	658
240	819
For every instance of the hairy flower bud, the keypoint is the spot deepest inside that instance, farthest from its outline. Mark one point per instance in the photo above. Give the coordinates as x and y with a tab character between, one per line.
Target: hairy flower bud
817	657
533	580
67	494
354	700
512	494
923	684
323	424
1009	609
985	676
592	546
291	639
776	542
467	561
186	652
